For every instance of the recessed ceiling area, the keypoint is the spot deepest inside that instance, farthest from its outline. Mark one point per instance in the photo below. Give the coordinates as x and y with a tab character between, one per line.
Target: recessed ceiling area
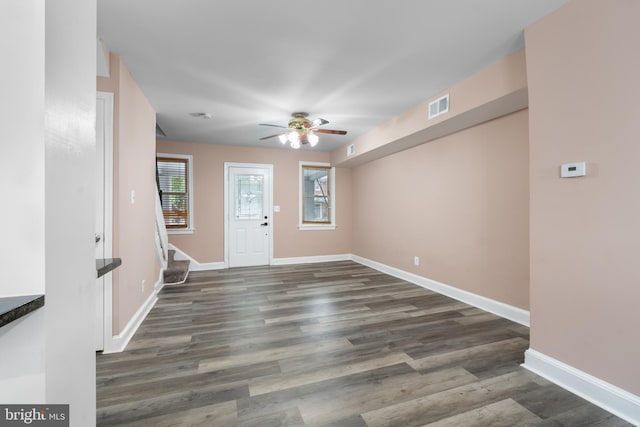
356	64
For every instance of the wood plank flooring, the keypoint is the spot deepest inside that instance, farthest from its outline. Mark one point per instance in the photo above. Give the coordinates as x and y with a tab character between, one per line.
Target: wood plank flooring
334	344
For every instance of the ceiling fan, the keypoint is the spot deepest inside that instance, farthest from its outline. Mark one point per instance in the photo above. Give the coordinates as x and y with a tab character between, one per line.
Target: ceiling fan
302	130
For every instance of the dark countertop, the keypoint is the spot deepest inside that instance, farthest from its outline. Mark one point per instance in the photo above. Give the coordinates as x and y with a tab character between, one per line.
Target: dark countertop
105	265
12	308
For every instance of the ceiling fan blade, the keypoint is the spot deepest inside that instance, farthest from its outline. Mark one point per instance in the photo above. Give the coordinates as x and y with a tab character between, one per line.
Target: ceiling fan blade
271	136
319	122
331	131
275	126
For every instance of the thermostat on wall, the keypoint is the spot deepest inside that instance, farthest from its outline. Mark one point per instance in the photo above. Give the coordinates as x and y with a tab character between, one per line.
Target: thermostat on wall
571	170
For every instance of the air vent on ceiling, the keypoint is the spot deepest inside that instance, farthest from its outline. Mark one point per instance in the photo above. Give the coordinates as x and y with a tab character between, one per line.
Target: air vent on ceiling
439	106
351	150
201	115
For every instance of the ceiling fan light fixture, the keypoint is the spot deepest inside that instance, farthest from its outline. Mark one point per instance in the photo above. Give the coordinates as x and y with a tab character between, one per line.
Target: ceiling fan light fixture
313	139
294	138
301	130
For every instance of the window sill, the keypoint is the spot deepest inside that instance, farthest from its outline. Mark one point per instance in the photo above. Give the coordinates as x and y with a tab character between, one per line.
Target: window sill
181	231
308	227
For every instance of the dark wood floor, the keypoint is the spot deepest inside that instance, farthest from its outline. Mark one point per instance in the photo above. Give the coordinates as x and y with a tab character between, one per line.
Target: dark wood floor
335	344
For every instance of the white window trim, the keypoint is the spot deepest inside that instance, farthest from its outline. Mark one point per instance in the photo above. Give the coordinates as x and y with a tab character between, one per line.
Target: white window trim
332	191
191	219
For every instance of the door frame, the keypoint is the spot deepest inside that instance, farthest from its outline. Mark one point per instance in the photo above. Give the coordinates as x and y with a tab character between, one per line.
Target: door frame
108	99
269	207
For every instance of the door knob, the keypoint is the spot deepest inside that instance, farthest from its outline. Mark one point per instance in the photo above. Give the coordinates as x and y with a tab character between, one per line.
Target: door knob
264	224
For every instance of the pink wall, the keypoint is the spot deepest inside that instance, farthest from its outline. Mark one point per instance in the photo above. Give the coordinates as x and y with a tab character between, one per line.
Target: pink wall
134	169
206	244
583	67
460	203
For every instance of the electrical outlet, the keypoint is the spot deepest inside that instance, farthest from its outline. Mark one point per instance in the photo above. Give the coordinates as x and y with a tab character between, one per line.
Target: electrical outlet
142	285
416	260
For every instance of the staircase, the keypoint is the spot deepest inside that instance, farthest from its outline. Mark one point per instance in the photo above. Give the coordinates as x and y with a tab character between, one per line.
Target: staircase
176	271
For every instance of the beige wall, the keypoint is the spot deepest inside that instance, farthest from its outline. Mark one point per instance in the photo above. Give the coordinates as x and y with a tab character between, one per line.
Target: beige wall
206	244
460	203
134	170
583	67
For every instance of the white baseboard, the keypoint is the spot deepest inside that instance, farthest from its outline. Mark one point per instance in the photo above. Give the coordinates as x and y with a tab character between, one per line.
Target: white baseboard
501	309
198	266
118	343
607	396
160	282
195	265
310	259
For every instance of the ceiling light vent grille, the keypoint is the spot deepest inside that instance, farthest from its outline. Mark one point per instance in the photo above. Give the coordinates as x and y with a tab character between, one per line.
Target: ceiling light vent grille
439	106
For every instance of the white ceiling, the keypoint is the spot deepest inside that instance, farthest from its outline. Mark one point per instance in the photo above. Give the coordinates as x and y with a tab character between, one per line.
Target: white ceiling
356	63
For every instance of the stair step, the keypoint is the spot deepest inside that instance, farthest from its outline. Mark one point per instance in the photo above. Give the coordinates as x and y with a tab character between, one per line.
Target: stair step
176	272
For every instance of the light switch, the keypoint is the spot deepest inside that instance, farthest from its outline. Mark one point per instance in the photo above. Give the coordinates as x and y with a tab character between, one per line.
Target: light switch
572	170
276	208
133	197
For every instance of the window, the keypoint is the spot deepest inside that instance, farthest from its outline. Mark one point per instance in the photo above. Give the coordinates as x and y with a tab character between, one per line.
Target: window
317	196
175	183
249	197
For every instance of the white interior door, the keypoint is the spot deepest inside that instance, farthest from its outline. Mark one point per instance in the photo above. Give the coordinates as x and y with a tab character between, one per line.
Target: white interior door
104	126
248	215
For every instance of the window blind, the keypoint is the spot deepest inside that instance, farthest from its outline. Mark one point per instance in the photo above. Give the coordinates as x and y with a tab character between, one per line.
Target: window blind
174	187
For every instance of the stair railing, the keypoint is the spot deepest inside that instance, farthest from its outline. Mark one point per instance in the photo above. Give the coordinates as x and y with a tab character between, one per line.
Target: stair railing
162	238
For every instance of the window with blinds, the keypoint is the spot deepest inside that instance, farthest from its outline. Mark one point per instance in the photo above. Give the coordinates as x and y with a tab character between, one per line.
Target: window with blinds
174	186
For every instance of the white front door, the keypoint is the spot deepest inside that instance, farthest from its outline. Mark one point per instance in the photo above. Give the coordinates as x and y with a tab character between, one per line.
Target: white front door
104	123
248	214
